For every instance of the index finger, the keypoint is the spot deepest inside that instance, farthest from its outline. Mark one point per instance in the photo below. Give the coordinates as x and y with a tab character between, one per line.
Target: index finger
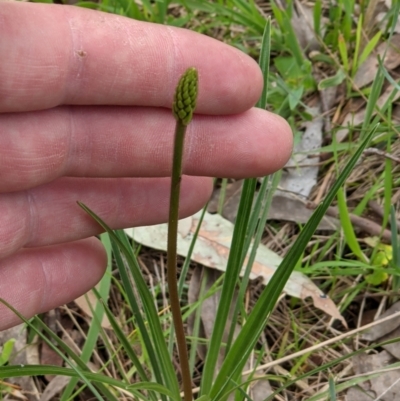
53	55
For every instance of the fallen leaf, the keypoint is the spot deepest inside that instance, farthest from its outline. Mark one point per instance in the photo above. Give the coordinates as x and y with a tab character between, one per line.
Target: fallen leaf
87	303
301	172
303	26
353	120
48	356
392	348
298	179
212	250
381	330
367	71
54	388
287	206
383	20
231	201
328	99
260	390
358	394
387	385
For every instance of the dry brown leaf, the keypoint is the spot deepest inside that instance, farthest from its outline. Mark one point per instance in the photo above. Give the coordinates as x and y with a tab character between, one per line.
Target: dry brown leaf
54	388
303	26
259	390
48	356
298	179
387	385
358	394
356	119
288	207
328	99
368	70
212	249
394	347
301	171
231	201
387	327
87	304
285	206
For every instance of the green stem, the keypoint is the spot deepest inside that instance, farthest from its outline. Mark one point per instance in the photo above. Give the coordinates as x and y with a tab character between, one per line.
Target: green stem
172	260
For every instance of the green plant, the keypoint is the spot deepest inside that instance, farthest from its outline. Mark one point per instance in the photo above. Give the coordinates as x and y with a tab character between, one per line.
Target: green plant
343	265
216	385
228	377
7	349
183	108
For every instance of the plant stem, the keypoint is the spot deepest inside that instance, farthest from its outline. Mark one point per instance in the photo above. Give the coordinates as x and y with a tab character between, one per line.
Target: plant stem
183	107
171	260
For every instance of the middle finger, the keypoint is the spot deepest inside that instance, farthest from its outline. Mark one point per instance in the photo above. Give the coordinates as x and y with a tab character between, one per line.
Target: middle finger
38	147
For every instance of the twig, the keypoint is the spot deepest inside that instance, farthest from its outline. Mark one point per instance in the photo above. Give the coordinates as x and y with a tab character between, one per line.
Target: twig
323	344
374	151
362	223
315	347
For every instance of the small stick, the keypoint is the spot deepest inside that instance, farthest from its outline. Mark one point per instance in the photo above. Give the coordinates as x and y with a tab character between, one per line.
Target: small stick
363	224
374	151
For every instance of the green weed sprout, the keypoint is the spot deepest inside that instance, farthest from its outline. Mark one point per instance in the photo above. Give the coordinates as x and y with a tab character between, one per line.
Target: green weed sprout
183	107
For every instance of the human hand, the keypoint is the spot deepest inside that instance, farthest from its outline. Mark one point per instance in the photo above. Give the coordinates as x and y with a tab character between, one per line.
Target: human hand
84	103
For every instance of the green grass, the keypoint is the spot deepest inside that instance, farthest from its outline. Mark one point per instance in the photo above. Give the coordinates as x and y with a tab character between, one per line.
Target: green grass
141	348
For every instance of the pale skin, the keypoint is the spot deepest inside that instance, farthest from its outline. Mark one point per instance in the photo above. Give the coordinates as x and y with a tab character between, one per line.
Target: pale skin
85	115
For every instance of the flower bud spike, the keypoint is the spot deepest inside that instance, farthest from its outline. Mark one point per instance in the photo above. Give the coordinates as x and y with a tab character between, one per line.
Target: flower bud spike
186	96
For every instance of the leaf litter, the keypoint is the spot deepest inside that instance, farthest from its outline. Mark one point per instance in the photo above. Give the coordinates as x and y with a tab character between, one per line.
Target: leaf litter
212	250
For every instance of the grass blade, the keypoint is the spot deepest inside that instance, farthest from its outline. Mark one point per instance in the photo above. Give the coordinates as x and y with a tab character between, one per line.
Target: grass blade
81	367
347	226
41	370
161	362
230	280
264	62
95	327
125	343
134	304
251	331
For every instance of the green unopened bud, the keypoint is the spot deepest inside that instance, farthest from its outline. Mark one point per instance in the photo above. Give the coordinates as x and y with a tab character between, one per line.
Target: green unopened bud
185	96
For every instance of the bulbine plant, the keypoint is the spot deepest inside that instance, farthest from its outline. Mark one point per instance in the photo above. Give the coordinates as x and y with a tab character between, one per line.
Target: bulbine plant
183	108
159	379
152	371
216	382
